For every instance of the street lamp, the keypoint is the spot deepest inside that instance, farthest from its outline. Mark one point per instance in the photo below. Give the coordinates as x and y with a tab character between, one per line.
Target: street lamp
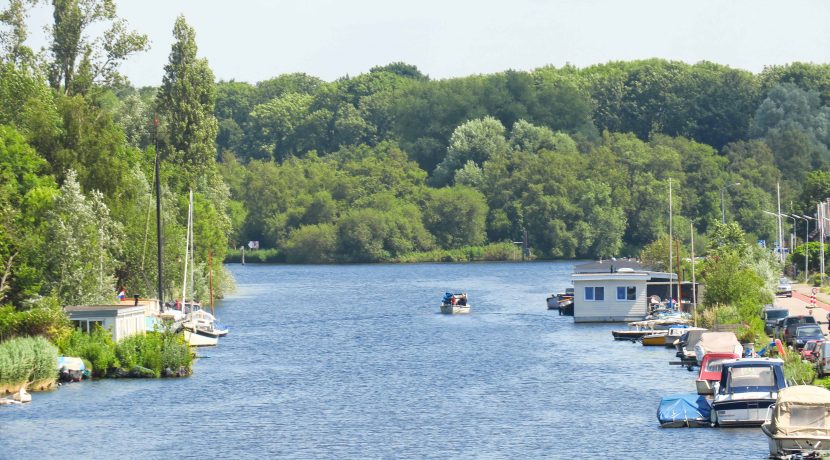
807	219
722	208
780	237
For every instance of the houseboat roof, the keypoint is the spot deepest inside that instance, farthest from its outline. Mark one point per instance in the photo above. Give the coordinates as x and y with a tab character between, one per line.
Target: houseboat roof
620	267
112	307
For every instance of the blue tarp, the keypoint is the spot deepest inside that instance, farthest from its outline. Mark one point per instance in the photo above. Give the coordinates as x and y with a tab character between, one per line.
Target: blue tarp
687	409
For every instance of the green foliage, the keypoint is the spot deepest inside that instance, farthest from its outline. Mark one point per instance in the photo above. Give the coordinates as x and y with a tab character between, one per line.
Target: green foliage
259	256
796	371
154	351
25	360
96	347
46	318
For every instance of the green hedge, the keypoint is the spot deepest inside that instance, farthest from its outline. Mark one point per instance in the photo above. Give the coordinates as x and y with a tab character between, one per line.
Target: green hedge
234	256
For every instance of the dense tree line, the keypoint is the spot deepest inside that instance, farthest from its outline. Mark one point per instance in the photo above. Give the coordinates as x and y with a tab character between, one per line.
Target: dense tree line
377	166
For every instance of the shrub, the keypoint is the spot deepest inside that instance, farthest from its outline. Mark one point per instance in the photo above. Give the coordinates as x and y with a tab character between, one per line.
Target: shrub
45	318
96	347
155	351
796	371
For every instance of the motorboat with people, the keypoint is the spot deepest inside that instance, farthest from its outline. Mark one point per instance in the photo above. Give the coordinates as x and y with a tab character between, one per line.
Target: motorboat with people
710	370
746	390
800	423
453	304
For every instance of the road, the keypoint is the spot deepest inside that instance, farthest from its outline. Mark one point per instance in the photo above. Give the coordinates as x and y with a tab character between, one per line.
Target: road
798	303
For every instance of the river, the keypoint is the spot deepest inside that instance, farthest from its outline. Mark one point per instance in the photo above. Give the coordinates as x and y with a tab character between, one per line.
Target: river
354	361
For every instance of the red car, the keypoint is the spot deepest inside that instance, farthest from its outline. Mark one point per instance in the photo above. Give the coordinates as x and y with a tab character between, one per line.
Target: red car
710	371
808	352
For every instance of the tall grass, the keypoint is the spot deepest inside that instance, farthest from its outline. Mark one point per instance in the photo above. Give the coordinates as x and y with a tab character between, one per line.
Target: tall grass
27	361
156	351
796	371
96	347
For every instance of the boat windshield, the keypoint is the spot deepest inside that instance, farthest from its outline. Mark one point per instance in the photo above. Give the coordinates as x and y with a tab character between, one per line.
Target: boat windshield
714	365
812	416
747	379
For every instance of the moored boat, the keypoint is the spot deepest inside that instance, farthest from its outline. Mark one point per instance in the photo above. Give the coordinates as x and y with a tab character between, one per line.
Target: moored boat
655	339
684	410
710	370
800	422
717	342
200	338
746	390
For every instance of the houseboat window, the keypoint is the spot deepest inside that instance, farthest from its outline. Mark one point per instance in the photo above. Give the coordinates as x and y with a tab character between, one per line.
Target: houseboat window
812	416
589	293
599	293
86	325
626	292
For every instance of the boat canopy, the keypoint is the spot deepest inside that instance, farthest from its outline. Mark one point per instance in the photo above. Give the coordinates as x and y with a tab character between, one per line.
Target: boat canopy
710	367
801	411
71	363
681	410
717	342
750	375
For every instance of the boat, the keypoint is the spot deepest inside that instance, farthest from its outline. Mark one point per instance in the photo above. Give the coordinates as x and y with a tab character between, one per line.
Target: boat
677	331
746	390
71	369
685	345
800	423
684	410
639	329
453	304
561	300
717	342
710	369
655	339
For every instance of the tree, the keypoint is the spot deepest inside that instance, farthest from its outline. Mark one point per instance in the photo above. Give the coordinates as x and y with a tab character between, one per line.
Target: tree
71	49
456	216
14	40
81	247
476	141
186	101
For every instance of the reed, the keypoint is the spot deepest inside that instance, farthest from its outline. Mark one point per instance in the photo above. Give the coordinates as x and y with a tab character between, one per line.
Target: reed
27	361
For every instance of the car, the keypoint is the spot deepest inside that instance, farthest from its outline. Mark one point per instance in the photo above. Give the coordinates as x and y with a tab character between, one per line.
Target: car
808	353
803	333
822	357
784	288
786	326
771	316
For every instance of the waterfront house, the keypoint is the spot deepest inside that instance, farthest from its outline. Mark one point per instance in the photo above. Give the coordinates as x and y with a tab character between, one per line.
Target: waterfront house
122	320
618	290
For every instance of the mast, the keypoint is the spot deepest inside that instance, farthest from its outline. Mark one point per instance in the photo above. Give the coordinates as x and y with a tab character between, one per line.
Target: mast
694	285
210	282
186	253
670	241
159	241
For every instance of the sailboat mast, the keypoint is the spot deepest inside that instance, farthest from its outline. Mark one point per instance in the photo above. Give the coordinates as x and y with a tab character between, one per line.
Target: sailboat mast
186	255
192	253
210	282
158	215
670	242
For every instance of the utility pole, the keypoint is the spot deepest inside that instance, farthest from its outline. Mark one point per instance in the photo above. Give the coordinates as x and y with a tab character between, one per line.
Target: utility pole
159	241
670	241
694	285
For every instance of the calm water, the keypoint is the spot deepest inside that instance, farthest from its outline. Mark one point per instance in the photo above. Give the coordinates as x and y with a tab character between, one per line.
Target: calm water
355	362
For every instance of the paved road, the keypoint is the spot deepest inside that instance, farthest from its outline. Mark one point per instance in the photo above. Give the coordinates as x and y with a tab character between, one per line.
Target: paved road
797	304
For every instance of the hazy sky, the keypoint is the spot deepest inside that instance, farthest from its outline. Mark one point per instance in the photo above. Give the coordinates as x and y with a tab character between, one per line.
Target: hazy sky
253	40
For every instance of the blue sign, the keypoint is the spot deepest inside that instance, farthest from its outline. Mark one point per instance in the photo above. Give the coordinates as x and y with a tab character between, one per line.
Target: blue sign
762	243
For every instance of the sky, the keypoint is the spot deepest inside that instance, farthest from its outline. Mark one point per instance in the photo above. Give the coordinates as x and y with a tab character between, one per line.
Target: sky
254	40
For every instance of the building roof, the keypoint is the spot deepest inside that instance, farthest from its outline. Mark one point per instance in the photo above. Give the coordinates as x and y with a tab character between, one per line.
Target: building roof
610	266
114	307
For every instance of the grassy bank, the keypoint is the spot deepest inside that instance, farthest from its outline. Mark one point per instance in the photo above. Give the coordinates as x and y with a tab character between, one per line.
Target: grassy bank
491	252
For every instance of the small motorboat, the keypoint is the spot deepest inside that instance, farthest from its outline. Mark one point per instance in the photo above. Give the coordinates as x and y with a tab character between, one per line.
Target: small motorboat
639	329
685	345
710	370
684	410
800	422
746	390
454	304
71	369
561	300
655	339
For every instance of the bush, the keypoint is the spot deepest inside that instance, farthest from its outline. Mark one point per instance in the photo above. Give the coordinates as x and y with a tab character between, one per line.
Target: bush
96	347
258	256
796	371
45	318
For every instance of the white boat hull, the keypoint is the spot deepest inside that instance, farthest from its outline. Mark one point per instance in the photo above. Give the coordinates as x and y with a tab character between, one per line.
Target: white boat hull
195	339
455	309
784	446
746	411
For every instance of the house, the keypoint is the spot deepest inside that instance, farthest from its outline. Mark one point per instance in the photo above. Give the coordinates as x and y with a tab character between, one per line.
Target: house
122	320
618	290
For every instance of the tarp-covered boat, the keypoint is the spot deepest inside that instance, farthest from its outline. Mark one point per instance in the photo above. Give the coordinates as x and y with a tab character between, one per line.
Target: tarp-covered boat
717	342
800	422
684	410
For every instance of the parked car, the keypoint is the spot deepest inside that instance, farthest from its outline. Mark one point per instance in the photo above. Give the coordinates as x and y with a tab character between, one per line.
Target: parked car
783	329
784	288
771	316
808	352
803	333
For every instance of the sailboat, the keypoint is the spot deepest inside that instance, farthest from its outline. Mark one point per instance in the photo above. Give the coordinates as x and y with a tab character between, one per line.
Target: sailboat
198	325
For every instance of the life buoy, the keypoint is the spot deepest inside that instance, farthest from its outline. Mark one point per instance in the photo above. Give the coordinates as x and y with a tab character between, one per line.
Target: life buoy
780	347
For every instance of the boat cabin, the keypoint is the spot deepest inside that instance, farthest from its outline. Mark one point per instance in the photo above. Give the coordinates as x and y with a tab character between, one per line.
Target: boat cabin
122	320
751	375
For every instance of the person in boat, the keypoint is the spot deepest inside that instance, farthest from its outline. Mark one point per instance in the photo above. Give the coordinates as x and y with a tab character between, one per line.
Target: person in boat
463	299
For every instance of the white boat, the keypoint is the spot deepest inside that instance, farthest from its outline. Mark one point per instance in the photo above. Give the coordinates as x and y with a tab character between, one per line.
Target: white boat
199	338
454	304
717	342
800	422
746	390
